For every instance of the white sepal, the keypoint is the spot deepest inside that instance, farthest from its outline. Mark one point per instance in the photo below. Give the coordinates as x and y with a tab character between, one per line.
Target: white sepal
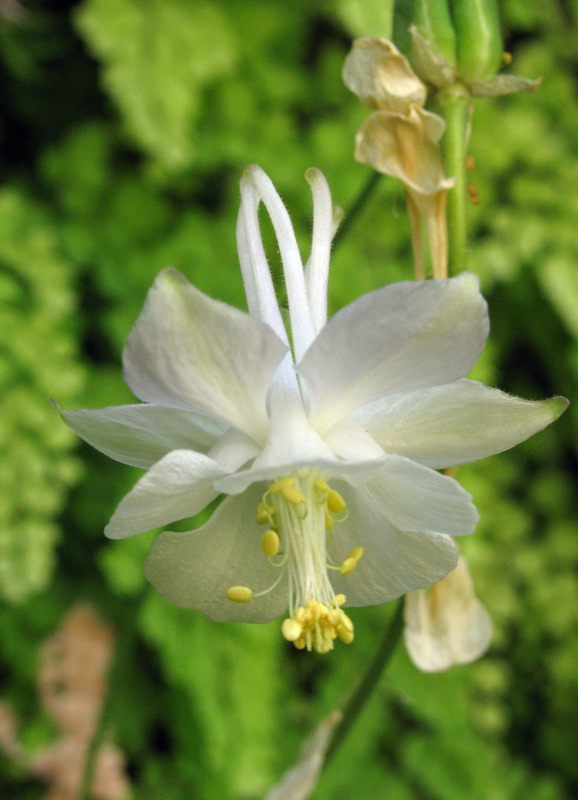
446	624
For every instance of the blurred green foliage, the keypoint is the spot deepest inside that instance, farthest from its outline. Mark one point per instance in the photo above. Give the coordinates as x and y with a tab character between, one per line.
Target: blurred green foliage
125	129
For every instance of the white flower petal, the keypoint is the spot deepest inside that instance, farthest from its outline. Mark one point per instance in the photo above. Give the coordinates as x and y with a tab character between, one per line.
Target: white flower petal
394	561
233	450
293	444
317	268
178	486
259	290
195	569
141	434
404	337
191	352
446	624
444	426
238	482
348	440
416	498
302	328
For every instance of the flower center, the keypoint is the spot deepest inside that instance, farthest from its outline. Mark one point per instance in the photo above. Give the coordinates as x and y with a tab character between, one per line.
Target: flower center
300	512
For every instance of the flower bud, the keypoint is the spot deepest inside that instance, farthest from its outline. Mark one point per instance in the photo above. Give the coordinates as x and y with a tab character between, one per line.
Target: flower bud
432	19
479	41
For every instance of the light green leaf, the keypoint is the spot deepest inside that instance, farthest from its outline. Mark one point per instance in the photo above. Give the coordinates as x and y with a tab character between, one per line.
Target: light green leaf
37	346
559	280
157	58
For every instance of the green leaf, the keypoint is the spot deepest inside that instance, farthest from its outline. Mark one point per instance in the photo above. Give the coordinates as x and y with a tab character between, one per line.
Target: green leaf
229	673
157	57
37	344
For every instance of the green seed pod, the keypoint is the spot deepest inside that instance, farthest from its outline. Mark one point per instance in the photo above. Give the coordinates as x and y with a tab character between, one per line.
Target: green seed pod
479	41
433	20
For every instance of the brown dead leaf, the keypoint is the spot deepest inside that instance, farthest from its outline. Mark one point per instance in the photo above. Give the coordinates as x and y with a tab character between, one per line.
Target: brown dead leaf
72	682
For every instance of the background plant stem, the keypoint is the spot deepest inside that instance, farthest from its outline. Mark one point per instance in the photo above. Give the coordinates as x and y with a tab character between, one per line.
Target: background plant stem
370	679
455	108
358	204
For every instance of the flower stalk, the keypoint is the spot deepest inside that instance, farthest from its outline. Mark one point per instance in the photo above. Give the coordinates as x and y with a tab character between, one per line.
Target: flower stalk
370	680
455	107
357	207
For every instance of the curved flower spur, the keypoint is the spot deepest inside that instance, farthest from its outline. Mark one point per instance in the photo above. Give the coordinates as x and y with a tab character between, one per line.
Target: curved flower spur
325	442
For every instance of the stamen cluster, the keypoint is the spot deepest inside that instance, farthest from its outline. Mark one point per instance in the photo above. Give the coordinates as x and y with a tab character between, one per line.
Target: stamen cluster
300	511
317	626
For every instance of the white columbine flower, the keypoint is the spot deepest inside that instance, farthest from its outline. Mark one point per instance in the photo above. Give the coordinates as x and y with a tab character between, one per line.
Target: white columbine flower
325	442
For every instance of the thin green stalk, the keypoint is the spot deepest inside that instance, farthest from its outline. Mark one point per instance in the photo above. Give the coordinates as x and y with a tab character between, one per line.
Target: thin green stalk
362	198
455	108
369	681
101	728
84	793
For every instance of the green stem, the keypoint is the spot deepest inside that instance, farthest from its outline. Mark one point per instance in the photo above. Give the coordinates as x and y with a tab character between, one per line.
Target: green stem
455	108
370	680
362	198
84	793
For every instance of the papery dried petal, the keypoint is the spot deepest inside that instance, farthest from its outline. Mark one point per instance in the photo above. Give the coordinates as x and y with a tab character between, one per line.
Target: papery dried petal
381	76
405	147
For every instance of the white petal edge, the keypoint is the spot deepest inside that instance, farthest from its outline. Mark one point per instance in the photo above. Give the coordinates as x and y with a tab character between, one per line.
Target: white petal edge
195	569
317	268
141	434
191	352
259	290
394	561
404	337
176	487
416	498
444	426
302	329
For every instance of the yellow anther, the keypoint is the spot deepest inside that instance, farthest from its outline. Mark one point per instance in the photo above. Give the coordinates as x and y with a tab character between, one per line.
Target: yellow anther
335	502
321	485
282	483
348	566
328	522
239	594
346	623
316	625
345	635
265	512
291	629
292	495
356	553
270	543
